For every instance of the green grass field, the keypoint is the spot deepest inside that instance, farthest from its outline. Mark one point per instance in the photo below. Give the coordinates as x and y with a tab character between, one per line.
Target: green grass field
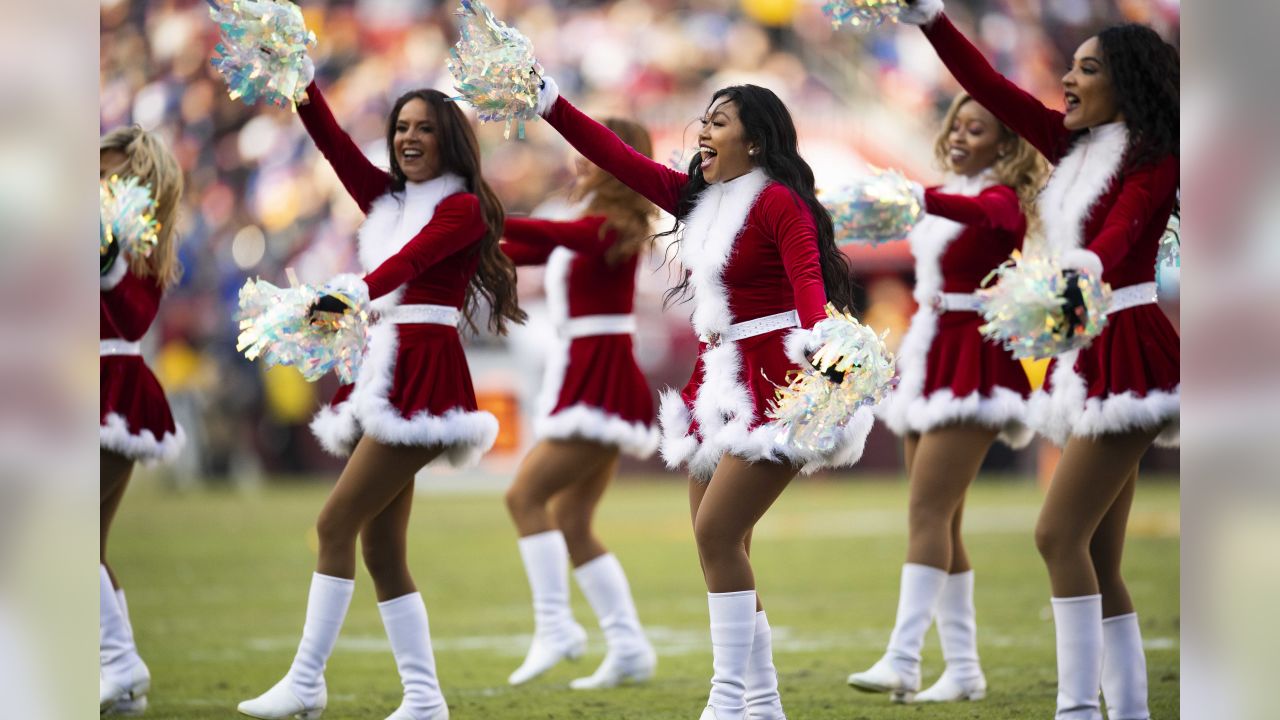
217	583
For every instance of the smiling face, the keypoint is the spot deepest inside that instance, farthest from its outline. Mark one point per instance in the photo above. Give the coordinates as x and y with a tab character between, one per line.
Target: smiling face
415	142
974	140
722	142
1089	92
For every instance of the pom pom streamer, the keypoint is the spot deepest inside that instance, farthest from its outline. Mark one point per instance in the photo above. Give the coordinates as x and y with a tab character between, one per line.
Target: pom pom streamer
1169	259
812	409
880	207
862	14
263	51
494	68
277	326
127	217
1024	309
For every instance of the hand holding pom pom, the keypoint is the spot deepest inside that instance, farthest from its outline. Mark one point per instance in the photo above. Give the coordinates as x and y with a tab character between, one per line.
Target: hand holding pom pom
313	329
877	208
1038	309
328	304
491	65
126	220
263	52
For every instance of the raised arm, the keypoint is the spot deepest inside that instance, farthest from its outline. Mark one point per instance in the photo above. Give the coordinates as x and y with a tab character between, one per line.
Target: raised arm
1015	107
456	224
363	180
128	302
996	208
1144	194
655	181
789	222
581	235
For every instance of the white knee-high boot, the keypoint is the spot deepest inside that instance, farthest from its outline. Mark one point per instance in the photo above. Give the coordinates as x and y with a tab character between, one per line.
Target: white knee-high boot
898	672
409	631
1078	626
124	679
958	629
629	656
302	692
1124	669
556	635
763	700
733	629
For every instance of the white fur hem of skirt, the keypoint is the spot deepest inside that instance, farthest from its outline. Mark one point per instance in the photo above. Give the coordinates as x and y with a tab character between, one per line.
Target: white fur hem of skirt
700	456
591	423
114	435
465	434
1004	410
1066	411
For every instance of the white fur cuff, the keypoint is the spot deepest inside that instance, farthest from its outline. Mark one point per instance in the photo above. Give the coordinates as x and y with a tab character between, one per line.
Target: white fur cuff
116	273
548	95
1082	259
801	342
921	12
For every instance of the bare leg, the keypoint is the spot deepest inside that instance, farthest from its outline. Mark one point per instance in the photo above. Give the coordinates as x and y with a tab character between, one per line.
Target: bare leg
736	498
375	475
959	555
696	490
1107	548
550	467
945	463
384	544
574	508
113	479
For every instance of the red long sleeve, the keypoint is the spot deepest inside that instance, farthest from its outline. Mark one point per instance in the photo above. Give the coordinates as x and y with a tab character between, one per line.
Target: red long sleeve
1145	194
996	208
456	224
524	254
1015	107
789	223
597	143
363	180
581	235
131	306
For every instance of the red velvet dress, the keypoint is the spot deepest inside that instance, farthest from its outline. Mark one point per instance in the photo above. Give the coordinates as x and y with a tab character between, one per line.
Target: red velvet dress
133	414
948	372
418	246
1128	378
593	388
751	251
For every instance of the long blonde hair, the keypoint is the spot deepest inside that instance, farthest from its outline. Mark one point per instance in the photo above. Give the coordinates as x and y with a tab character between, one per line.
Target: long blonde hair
1021	168
626	212
151	162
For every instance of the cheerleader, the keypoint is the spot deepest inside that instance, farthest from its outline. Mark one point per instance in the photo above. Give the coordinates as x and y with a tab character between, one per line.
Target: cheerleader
958	393
762	262
133	416
429	245
595	403
1104	209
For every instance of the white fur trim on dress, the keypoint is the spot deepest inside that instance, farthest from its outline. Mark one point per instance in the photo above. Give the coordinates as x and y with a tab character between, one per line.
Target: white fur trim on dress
907	409
591	423
1081	179
115	273
724	407
921	12
1065	411
547	95
114	435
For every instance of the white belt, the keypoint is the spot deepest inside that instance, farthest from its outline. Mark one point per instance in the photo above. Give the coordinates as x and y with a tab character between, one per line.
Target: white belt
956	302
423	315
591	325
751	328
1132	296
116	346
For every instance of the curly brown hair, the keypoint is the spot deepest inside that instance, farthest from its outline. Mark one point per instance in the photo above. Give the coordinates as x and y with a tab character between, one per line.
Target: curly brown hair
626	211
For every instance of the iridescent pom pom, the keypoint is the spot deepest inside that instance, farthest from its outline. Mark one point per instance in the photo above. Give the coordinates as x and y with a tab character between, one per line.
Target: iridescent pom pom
263	53
127	217
812	409
1169	259
880	207
1024	310
494	68
862	14
276	325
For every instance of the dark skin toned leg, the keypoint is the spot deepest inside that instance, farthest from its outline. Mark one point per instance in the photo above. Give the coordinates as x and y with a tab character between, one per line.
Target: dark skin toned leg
558	486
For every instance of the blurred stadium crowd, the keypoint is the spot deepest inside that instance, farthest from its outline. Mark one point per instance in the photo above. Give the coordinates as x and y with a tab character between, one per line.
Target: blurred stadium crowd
260	199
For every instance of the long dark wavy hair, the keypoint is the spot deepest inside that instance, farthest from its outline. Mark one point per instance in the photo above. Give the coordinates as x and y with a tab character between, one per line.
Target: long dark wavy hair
767	124
1144	74
495	278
